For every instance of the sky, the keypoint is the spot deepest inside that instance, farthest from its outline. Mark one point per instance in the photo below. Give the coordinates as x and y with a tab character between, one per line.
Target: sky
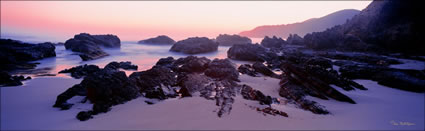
135	20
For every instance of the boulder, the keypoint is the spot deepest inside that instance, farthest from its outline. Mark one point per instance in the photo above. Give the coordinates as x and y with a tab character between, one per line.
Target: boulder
192	64
247	69
160	40
247	52
195	45
229	40
81	71
89	45
273	42
261	68
8	80
16	55
156	82
222	69
123	65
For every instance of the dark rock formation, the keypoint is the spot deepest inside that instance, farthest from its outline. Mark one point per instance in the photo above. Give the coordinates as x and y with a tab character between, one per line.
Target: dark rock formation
16	55
360	57
195	45
191	64
383	26
409	80
248	52
7	80
81	71
294	39
247	69
229	40
123	65
222	69
160	40
156	82
261	68
89	45
273	42
271	111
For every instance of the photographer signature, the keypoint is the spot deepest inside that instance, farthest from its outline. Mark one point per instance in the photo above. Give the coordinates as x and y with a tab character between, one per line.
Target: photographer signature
401	123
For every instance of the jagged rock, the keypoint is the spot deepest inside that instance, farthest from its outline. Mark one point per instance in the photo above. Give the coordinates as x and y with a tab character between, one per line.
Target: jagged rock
294	39
247	69
89	45
409	80
161	39
16	55
251	94
123	65
61	100
361	57
84	115
192	64
248	52
156	82
81	71
229	40
271	111
166	62
7	80
195	45
108	87
273	42
222	69
316	86
261	68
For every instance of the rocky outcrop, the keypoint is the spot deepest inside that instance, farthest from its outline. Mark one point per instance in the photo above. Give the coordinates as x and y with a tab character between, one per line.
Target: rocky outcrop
89	45
247	52
383	26
273	42
123	65
156	83
159	40
81	71
294	39
229	40
409	80
195	45
8	80
85	70
17	55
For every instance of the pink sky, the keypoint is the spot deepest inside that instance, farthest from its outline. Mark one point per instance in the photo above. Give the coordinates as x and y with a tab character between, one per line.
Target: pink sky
135	20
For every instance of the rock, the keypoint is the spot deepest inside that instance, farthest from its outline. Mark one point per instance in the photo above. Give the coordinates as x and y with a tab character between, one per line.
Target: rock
7	80
192	64
84	115
229	40
316	87
294	39
320	62
247	69
273	42
195	45
247	52
361	57
251	94
61	100
89	45
409	80
271	111
81	71
156	82
261	68
16	55
108	87
166	62
222	69
123	65
160	40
